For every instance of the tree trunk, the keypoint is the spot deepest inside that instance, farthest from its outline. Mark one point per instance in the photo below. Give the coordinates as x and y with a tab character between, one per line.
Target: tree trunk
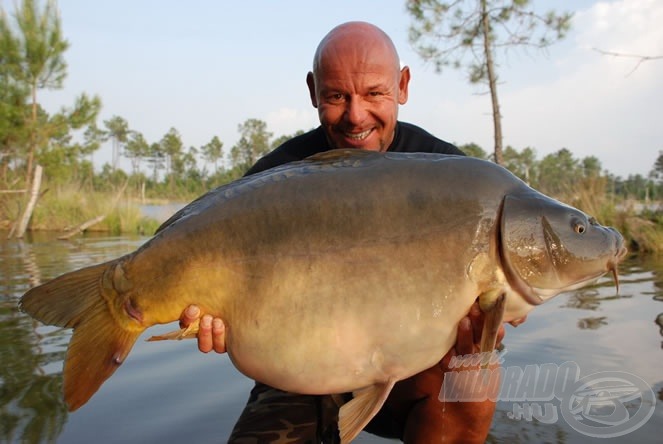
492	84
33	138
34	195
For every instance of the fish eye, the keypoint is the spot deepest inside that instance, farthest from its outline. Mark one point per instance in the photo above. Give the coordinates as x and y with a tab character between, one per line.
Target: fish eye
579	227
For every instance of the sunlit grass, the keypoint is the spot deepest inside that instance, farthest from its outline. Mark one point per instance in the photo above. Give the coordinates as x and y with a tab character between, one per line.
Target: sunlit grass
67	208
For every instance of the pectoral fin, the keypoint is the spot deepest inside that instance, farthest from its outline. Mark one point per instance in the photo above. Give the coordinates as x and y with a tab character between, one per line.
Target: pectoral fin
492	304
189	332
355	414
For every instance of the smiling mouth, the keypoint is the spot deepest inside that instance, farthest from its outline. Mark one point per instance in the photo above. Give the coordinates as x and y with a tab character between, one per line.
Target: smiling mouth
358	136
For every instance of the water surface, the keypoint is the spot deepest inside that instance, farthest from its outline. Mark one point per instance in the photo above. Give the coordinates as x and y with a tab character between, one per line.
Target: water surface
169	392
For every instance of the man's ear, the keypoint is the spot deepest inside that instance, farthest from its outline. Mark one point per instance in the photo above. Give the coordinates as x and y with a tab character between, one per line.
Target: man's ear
403	85
310	81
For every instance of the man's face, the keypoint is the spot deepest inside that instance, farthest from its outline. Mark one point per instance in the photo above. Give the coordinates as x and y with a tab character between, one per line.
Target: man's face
357	90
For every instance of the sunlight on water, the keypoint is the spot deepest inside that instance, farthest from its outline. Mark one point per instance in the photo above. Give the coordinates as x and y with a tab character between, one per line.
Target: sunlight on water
169	392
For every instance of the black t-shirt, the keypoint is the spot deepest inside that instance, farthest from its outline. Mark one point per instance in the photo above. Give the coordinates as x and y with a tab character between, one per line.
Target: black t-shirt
408	139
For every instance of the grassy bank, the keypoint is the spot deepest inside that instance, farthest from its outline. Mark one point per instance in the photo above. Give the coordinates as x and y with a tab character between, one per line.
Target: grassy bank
65	209
644	232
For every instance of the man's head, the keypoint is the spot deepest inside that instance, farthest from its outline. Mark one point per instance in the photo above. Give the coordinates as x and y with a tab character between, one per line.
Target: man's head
357	85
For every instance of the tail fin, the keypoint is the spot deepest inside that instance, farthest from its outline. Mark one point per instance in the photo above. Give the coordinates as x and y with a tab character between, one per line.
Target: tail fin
98	346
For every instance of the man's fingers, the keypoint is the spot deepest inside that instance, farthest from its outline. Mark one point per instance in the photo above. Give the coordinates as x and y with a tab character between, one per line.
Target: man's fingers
219	335
476	317
500	335
205	344
465	339
517	322
189	315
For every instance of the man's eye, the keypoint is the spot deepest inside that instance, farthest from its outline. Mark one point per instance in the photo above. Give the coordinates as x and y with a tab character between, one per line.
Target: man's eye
335	97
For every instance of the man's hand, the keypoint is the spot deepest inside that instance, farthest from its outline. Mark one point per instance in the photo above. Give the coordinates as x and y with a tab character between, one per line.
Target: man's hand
211	333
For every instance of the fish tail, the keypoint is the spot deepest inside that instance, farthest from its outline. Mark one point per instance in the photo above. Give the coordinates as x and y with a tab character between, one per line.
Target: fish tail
98	345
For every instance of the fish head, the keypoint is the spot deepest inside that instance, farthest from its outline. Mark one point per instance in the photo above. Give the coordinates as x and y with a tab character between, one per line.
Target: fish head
548	247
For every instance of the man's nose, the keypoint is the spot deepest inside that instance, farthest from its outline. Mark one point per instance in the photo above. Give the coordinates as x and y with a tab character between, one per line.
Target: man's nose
355	111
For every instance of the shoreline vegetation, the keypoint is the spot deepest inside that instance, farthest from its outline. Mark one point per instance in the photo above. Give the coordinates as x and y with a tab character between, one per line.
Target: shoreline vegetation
68	212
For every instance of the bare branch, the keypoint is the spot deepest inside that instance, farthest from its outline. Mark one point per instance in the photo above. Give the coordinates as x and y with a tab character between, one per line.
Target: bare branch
640	58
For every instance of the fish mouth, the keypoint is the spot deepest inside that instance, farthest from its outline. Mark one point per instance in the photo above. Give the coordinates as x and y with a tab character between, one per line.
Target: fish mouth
537	295
611	266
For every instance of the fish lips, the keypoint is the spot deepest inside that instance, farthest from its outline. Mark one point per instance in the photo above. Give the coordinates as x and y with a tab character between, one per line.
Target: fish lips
548	247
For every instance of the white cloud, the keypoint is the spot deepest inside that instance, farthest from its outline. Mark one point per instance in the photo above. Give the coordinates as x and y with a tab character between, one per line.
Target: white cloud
627	26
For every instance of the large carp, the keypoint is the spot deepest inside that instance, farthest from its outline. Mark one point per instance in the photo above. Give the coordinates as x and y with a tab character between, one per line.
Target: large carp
348	271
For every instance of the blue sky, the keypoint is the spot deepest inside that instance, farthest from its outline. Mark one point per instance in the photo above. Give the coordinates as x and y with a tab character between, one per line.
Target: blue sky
205	66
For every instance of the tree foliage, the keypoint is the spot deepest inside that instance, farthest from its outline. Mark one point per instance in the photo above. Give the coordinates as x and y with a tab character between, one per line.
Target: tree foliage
136	150
117	130
213	152
278	141
657	170
473	150
468	34
253	143
32	59
522	164
42	65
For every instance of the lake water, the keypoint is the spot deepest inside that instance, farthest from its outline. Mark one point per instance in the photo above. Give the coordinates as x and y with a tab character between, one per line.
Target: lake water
169	392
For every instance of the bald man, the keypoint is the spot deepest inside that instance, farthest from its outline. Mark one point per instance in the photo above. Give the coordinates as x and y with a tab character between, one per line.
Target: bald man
357	86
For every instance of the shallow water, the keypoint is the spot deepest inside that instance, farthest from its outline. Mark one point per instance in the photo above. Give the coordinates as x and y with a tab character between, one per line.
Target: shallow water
169	392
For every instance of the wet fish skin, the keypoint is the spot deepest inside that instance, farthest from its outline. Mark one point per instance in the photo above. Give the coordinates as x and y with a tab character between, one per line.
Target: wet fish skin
347	271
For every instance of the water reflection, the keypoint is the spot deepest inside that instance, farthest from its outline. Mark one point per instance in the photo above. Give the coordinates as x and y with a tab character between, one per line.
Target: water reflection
589	299
31	405
592	323
655	265
31	409
596	327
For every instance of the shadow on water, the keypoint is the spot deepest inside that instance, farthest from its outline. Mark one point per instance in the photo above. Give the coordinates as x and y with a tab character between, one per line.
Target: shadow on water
594	327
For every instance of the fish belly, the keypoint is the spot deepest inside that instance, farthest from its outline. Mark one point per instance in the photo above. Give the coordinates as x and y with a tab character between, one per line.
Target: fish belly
340	321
